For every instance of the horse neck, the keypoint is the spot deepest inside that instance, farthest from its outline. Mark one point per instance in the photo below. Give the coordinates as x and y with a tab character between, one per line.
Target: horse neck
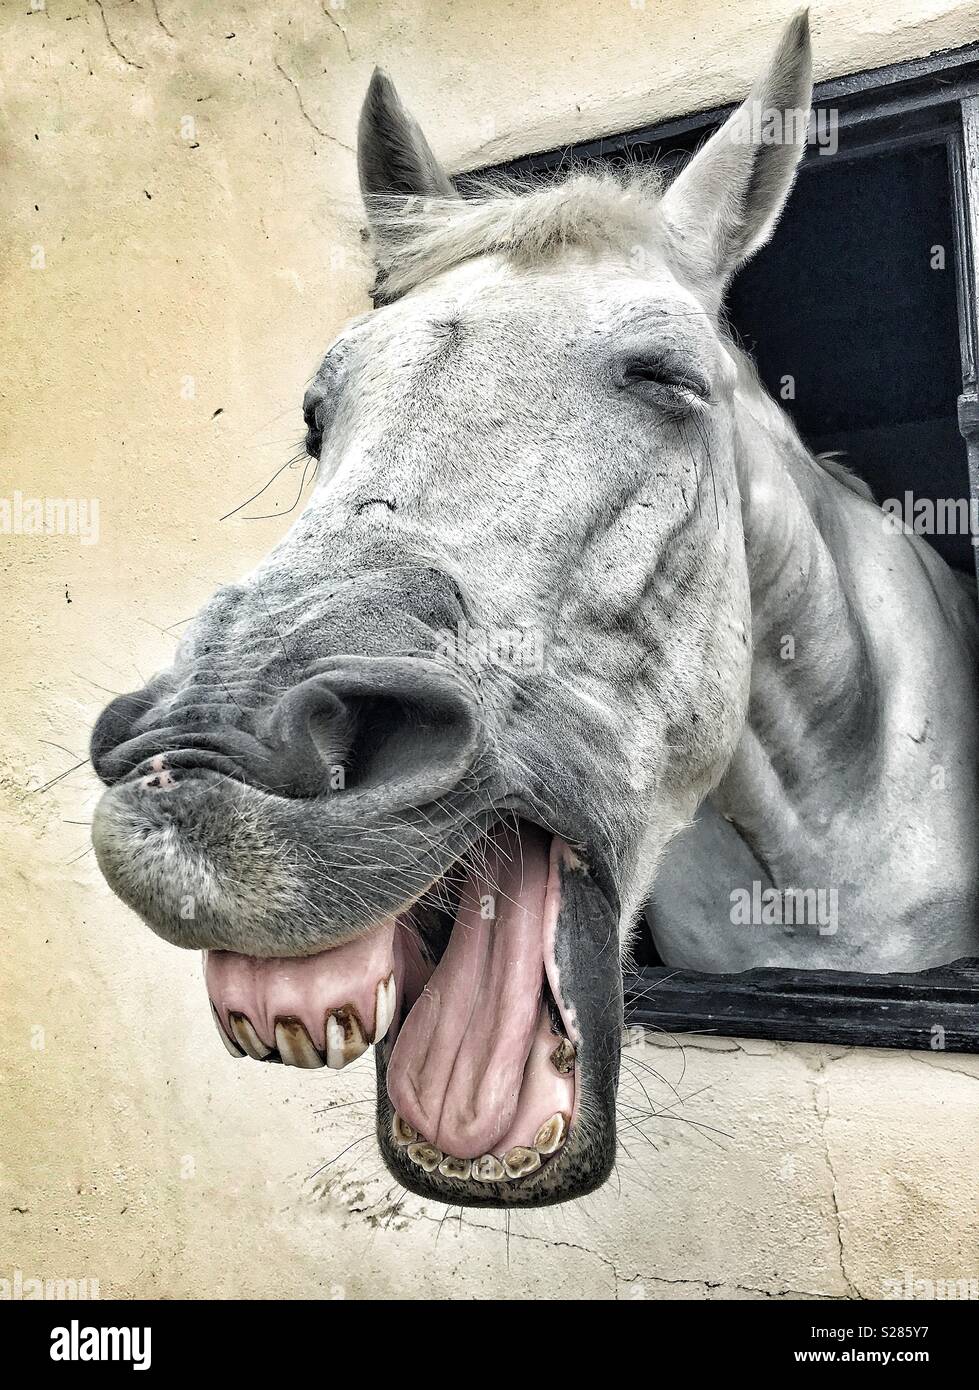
811	679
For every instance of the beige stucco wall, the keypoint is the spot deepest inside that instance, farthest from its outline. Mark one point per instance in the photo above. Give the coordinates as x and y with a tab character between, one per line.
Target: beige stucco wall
194	269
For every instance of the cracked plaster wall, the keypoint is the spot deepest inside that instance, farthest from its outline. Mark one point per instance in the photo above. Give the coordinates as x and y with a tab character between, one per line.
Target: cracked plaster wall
185	171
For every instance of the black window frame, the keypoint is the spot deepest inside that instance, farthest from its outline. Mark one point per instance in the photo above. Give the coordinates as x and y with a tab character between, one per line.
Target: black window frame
935	100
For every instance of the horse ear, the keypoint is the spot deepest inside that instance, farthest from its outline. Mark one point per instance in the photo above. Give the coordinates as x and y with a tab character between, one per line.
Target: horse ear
726	202
393	156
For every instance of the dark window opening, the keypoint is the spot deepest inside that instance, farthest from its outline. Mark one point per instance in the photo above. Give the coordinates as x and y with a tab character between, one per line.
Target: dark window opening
854	299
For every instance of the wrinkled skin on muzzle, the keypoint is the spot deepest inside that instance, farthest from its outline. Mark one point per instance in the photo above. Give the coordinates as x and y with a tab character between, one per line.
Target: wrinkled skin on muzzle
294	774
282	761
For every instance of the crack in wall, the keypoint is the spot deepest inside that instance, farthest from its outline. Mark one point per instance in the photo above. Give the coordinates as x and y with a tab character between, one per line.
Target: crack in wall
834	1193
741	1288
305	114
325	6
623	1280
943	1067
510	1235
169	32
130	62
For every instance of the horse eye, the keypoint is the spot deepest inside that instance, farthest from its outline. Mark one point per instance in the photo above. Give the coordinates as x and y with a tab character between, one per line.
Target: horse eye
665	373
318	404
310	407
313	418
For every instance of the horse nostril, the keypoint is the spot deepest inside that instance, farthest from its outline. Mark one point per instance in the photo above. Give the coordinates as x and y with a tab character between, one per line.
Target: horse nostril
403	729
332	732
312	729
398	727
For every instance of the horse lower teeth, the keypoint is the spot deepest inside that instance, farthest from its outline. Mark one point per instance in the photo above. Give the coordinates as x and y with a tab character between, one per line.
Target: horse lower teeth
488	1169
520	1161
425	1156
563	1057
455	1167
550	1136
403	1132
517	1163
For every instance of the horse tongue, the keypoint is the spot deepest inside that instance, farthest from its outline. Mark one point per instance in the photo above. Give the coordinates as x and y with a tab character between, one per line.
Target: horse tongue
456	1069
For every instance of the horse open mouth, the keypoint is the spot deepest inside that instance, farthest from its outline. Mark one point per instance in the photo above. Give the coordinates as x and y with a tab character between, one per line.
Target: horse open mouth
461	993
411	906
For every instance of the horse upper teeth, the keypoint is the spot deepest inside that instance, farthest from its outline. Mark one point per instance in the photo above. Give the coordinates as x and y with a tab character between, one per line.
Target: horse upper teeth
563	1057
520	1161
402	1132
425	1156
295	1045
232	1047
488	1169
455	1167
550	1136
246	1037
345	1040
384	1006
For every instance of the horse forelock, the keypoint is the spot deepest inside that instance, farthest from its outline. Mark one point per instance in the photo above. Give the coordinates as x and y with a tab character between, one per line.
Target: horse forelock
415	239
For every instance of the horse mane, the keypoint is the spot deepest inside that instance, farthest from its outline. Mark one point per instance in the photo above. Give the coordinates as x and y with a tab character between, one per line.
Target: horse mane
832	462
599	210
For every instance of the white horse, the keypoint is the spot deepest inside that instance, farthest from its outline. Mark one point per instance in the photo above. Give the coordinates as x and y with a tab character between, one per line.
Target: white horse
726	678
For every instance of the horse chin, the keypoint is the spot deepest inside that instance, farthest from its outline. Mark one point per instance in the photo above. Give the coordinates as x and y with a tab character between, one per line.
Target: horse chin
488	1002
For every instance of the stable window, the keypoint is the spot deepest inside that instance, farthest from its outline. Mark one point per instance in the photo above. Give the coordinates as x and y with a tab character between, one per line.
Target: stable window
861	315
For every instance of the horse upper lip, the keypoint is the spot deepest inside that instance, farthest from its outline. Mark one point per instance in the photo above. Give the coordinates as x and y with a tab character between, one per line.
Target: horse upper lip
155	749
185	760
